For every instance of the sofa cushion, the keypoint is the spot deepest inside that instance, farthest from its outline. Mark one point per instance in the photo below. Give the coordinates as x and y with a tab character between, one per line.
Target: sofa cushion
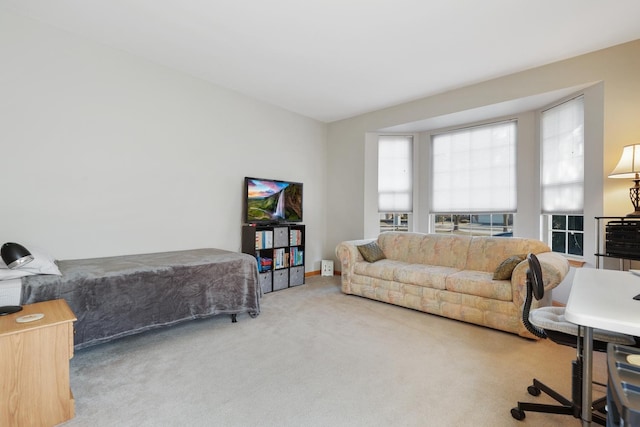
431	276
486	253
504	270
383	269
479	283
371	252
429	249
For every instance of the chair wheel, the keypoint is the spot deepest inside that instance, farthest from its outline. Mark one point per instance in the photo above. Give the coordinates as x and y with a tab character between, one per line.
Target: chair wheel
533	390
517	413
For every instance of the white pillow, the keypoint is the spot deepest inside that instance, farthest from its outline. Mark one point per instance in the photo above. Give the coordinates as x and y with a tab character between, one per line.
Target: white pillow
7	274
42	263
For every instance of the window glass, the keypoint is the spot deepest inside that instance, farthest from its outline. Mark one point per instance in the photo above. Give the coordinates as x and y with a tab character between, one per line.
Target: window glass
558	242
559	222
475	225
575	245
394	222
576	223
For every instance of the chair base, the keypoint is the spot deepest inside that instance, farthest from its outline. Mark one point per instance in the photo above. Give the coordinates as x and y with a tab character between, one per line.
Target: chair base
566	406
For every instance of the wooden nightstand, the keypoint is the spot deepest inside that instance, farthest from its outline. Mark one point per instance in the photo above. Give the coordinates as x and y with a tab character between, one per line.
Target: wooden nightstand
34	366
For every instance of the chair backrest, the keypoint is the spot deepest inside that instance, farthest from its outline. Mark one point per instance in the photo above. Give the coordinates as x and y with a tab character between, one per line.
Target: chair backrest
535	276
559	332
535	288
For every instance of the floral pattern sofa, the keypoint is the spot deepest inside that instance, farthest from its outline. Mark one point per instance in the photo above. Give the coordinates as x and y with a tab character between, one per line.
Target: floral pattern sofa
451	275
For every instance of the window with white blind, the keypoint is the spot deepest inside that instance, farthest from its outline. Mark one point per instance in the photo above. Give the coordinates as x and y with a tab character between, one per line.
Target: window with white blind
474	170
395	176
562	175
562	133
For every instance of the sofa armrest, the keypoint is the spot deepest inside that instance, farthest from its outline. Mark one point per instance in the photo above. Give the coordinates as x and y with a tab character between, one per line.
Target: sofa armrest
555	268
348	254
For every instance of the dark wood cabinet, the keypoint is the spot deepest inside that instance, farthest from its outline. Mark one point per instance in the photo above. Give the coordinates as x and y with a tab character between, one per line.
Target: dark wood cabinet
279	252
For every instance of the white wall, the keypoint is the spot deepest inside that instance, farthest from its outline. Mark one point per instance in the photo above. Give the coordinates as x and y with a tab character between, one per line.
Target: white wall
104	153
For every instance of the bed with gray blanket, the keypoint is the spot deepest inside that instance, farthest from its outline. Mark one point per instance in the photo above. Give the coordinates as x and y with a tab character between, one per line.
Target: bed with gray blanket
124	295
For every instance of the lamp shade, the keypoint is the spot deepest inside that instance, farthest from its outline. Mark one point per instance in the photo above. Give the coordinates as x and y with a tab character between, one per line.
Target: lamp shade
629	164
15	255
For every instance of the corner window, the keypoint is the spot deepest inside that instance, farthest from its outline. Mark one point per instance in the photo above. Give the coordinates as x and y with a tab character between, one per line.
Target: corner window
562	170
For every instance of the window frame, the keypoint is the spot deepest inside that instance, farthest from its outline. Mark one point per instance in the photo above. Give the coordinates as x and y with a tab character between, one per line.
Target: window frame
566	211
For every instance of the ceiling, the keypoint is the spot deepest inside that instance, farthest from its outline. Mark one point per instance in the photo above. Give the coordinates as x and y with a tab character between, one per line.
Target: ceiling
334	59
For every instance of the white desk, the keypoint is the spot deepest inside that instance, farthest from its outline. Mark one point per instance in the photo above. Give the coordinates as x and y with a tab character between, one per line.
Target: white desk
602	299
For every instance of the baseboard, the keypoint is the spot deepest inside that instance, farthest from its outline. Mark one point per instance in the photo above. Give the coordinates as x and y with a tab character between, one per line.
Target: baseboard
318	272
557	304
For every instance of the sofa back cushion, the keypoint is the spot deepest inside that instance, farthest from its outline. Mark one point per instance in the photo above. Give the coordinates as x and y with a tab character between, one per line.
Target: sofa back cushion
486	253
446	250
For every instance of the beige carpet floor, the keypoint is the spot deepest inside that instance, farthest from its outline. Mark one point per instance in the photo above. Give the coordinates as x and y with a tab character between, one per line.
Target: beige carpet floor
317	357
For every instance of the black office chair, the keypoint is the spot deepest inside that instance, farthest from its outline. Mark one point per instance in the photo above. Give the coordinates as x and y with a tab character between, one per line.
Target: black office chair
548	322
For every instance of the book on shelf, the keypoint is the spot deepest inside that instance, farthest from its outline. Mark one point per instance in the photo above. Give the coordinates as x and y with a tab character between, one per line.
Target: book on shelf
295	237
276	259
297	256
264	239
281	258
264	264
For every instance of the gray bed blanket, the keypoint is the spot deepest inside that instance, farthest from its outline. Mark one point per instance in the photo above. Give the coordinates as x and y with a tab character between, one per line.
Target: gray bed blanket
124	295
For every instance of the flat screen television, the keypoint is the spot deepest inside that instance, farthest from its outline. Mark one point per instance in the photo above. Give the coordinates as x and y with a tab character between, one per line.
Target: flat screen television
272	201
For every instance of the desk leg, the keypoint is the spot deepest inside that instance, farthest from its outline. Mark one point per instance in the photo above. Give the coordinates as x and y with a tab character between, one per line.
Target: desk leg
587	374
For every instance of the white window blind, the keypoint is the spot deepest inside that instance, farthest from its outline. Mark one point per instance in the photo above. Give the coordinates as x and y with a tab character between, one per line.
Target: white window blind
563	158
395	176
474	170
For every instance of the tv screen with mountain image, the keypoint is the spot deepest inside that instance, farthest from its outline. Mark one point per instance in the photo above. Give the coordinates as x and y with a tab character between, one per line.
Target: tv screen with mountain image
272	201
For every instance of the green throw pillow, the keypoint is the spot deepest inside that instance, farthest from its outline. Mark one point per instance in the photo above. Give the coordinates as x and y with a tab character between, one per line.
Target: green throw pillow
371	252
504	270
